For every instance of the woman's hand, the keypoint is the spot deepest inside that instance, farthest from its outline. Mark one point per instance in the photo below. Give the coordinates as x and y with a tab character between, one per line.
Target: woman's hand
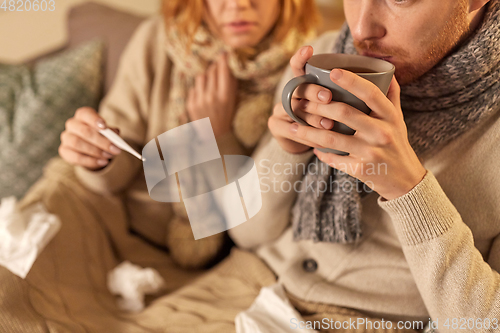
214	96
279	123
380	154
81	142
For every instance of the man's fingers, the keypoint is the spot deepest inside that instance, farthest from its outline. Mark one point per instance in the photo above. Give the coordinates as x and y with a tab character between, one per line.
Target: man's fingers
91	135
364	90
313	93
340	162
394	93
281	128
342	113
90	117
299	59
76	158
313	120
328	139
310	118
279	111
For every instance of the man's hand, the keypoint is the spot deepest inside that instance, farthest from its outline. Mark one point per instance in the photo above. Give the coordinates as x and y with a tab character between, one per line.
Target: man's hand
380	154
280	123
214	96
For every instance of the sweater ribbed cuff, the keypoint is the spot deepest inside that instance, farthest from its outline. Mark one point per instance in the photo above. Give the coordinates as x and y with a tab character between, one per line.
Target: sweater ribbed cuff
113	178
96	181
422	214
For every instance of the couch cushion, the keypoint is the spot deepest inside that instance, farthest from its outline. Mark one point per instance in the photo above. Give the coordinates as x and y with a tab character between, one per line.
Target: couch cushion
114	27
34	105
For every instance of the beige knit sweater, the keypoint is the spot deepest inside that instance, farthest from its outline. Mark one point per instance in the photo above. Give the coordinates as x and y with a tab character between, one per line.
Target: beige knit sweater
136	104
433	252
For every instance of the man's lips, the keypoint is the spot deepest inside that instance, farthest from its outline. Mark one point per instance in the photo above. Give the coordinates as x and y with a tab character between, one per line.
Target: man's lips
240	26
378	56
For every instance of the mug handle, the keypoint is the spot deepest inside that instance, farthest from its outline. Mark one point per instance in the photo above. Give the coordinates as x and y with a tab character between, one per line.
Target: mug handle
286	100
286	97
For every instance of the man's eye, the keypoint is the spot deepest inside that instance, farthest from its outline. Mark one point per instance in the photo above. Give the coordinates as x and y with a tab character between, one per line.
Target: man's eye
400	2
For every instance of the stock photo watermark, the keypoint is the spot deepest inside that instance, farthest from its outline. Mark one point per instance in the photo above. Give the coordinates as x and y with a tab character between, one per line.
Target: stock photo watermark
28	5
456	324
354	324
218	192
269	183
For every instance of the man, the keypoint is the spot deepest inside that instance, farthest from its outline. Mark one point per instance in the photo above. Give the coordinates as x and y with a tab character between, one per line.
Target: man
430	244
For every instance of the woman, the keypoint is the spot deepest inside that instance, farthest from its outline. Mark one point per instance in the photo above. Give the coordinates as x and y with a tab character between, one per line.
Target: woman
219	59
222	63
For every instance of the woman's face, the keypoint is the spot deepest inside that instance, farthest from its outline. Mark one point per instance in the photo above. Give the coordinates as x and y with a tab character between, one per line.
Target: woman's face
241	23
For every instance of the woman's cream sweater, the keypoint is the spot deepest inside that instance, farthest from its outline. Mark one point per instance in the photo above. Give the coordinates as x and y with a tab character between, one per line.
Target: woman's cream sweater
136	104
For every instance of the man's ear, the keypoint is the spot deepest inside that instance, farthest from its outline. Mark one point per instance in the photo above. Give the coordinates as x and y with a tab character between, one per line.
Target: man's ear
476	4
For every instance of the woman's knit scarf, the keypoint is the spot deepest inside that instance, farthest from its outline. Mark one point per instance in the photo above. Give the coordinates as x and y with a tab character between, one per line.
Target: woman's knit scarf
452	98
257	71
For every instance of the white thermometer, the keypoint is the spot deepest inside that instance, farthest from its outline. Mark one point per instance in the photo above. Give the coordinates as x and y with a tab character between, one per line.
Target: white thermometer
120	143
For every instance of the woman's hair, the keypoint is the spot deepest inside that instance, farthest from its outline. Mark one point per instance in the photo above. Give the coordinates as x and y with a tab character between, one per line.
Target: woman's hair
188	14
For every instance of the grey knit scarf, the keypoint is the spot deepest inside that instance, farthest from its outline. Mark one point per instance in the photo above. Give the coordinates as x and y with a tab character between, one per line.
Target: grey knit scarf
454	96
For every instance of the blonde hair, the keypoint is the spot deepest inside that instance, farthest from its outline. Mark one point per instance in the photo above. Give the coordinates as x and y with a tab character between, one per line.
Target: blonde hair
187	15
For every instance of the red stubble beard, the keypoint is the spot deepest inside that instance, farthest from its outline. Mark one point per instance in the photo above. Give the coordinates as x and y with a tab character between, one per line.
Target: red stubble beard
407	69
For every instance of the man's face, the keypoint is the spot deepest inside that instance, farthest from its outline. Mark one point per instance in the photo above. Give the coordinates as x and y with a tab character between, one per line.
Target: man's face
414	35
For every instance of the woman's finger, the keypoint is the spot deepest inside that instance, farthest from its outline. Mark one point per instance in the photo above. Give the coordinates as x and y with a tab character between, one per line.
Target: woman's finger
91	135
190	104
224	77
211	87
199	86
76	158
90	117
299	59
75	143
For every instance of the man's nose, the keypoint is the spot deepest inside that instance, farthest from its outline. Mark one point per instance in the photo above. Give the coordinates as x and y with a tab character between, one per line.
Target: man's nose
368	25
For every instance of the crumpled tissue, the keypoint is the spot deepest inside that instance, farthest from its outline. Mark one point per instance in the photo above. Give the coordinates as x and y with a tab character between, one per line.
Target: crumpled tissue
24	234
271	312
132	283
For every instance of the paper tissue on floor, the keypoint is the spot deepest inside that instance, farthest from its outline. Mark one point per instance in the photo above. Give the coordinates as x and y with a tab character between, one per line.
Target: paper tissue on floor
132	283
271	312
24	234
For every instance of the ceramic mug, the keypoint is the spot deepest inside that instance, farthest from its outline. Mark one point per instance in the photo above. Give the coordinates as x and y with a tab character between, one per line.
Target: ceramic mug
317	71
